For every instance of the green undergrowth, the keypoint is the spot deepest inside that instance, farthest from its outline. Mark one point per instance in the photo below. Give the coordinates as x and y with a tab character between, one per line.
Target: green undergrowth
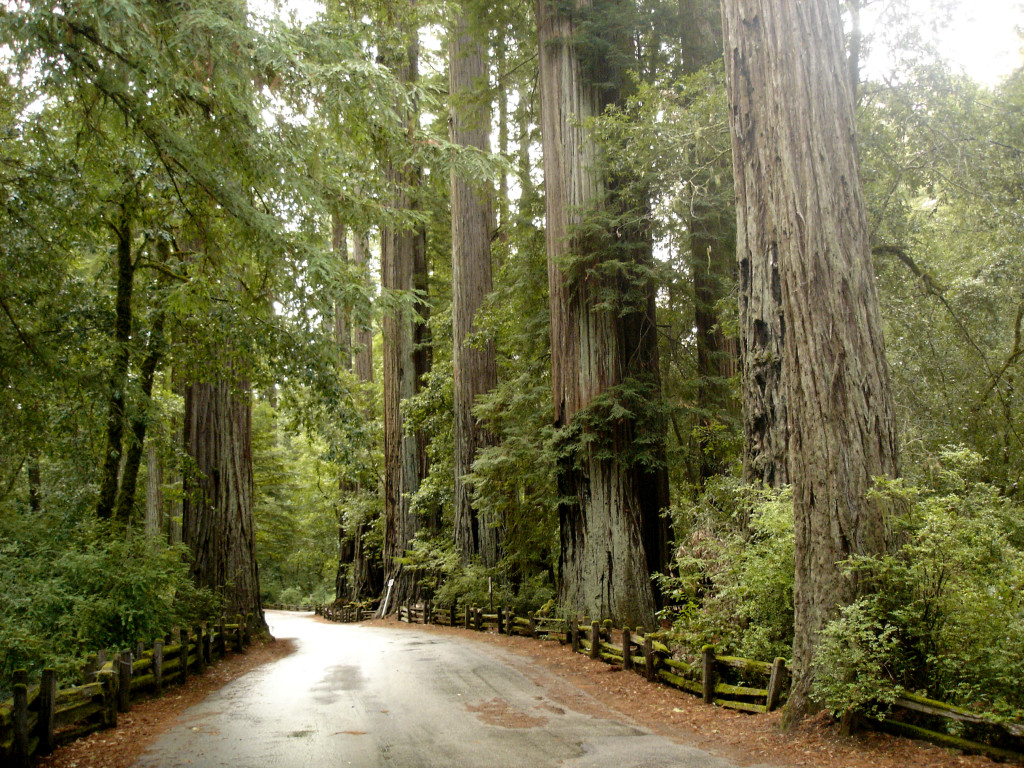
74	587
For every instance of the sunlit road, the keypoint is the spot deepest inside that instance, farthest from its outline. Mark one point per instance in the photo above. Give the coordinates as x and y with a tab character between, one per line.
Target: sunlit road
373	696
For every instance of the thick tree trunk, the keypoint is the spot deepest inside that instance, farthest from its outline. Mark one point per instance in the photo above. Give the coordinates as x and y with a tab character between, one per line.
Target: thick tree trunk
802	222
364	578
405	360
474	367
118	372
218	524
343	344
603	563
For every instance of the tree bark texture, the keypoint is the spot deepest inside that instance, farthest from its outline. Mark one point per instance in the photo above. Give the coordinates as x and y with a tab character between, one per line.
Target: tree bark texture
364	577
343	343
803	229
217	524
118	371
602	512
475	371
405	360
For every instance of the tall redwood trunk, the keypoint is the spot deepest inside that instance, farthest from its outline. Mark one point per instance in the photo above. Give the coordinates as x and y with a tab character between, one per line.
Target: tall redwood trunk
474	367
712	257
217	519
594	349
343	344
364	577
405	360
803	227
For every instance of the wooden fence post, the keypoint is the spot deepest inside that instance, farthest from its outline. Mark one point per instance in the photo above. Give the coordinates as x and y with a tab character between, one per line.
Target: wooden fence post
240	634
183	644
510	622
200	661
222	638
158	666
595	640
207	643
652	673
776	683
627	650
574	634
606	630
47	710
707	673
109	682
90	669
478	619
20	720
140	648
124	681
249	622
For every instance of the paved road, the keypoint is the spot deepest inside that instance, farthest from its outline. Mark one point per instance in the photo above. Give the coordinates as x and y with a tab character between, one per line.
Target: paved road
377	697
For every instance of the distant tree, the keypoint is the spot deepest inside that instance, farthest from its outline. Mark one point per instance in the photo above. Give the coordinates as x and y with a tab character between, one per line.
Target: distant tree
472	222
405	354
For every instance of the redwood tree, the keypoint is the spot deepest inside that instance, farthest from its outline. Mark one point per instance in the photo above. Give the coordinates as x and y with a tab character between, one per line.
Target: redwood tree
603	346
803	229
217	517
474	366
405	356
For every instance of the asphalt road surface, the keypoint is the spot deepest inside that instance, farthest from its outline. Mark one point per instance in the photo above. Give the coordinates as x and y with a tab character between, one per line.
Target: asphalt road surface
373	696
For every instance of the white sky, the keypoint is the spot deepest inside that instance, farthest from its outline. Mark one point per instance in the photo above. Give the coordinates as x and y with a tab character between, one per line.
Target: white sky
983	38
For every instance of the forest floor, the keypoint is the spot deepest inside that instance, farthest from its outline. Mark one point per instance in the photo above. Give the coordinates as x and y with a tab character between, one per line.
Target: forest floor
744	739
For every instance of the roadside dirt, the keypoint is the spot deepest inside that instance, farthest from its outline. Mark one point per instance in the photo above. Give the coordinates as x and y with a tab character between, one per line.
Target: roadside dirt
744	739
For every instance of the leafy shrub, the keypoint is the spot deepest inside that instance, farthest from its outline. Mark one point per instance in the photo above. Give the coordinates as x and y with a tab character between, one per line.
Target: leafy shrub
946	613
734	581
73	588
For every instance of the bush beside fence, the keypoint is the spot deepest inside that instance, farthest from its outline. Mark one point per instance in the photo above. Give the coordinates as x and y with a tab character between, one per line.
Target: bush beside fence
43	716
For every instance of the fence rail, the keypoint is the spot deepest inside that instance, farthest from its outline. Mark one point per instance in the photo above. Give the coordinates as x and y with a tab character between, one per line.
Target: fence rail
742	684
40	717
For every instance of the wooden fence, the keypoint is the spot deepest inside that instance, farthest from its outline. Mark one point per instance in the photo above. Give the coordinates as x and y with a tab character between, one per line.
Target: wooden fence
40	717
345	613
727	681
